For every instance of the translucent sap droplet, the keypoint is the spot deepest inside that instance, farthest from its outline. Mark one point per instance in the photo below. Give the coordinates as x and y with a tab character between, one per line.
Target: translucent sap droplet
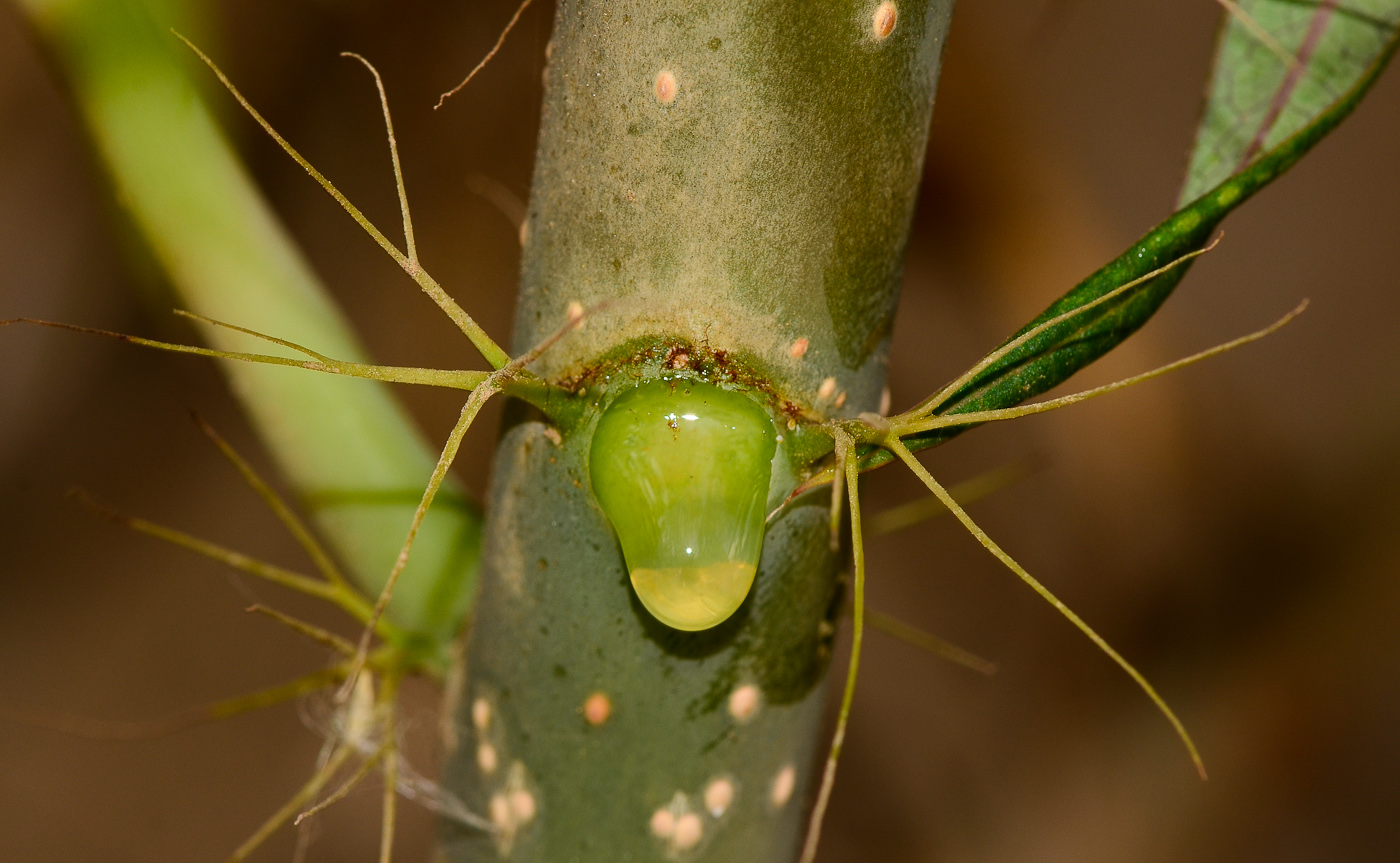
681	468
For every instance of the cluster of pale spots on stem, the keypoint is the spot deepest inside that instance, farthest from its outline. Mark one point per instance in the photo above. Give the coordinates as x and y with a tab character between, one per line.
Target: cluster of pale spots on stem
871	431
687	822
703	117
513	807
513	798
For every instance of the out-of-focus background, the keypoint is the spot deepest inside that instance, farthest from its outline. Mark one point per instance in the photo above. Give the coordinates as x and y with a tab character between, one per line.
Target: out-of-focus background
1234	529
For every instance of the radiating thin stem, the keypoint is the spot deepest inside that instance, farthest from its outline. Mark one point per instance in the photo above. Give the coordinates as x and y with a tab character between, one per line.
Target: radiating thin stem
914	512
493	352
315	633
903	453
935	401
237	560
101	729
852	477
500	40
916	637
478	398
277	694
345	787
345	598
457	380
285	514
312	787
393	155
254	333
305	832
837	498
391	792
912	426
913	422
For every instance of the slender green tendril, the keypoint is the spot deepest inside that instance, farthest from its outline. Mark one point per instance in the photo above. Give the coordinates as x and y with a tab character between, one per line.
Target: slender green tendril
902	452
850	471
492	352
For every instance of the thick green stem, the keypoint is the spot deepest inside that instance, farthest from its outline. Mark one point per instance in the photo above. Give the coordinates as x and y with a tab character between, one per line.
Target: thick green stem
737	177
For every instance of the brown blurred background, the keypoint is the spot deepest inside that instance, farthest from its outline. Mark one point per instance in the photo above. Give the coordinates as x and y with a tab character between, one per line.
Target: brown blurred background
1234	529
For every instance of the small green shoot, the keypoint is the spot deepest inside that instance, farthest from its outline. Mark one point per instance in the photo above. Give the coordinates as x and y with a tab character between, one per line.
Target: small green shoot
917	511
927	641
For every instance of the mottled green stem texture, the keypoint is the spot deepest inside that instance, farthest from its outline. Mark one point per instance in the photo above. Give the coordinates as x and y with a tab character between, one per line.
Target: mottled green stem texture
736	179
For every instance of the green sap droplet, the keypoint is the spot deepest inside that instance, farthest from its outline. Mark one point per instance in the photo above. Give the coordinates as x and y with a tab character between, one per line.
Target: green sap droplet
681	469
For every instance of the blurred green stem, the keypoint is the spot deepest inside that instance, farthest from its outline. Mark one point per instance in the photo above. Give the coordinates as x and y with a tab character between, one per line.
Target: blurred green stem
346	447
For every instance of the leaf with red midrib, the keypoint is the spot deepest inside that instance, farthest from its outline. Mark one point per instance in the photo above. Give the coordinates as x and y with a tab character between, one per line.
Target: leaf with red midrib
1278	65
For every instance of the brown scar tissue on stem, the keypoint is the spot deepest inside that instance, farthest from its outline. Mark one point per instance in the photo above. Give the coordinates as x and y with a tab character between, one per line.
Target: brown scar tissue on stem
883	21
523	806
719	794
487	759
663	823
783	786
481	713
596	709
744	702
665	87
689	831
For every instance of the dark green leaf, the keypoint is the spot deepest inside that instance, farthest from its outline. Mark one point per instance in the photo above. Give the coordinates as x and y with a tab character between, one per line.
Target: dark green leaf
1056	354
